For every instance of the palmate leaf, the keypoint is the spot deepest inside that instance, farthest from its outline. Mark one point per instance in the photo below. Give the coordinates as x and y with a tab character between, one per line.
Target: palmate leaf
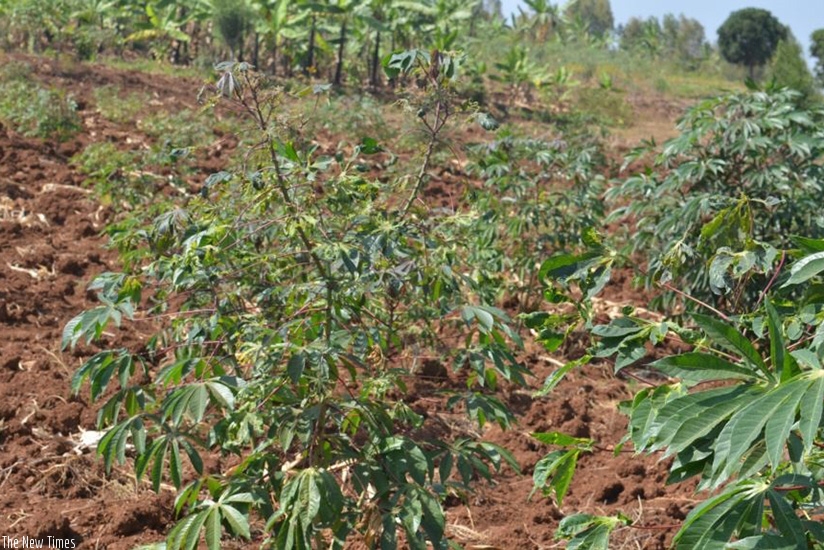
588	532
782	361
558	374
209	518
190	400
812	404
562	266
690	462
696	367
643	409
308	502
710	525
100	368
91	323
167	447
684	420
728	337
113	445
786	519
773	413
777	429
553	473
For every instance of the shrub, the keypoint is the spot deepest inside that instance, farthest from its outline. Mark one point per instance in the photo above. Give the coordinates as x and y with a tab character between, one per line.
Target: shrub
744	175
38	112
741	410
750	37
301	283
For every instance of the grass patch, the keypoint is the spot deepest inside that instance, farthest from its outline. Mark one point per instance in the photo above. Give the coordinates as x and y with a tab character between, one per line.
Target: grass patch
117	107
33	110
151	66
608	107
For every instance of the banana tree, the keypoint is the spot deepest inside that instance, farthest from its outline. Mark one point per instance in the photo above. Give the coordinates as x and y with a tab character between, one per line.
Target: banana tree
544	20
399	20
100	13
36	21
161	27
380	18
315	11
343	11
440	21
279	24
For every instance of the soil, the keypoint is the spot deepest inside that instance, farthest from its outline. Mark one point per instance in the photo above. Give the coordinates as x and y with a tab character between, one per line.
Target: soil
51	485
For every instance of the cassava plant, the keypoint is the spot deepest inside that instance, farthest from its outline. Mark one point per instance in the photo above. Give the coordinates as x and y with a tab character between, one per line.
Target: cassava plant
741	410
294	301
724	196
538	197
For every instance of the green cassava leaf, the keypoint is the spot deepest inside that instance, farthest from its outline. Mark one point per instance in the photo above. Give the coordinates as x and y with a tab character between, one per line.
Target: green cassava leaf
728	337
805	269
695	367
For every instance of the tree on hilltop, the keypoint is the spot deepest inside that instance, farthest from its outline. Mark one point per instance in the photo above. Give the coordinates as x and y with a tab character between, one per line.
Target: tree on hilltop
817	51
596	13
750	37
789	69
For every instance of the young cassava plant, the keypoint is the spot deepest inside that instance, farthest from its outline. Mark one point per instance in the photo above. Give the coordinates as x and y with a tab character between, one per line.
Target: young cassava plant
297	295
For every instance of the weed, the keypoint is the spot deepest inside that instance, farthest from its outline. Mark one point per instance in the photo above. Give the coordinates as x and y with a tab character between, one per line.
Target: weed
116	106
605	105
177	130
35	111
119	178
357	116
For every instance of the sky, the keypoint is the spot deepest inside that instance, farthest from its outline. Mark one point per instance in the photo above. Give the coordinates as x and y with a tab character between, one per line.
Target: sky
802	16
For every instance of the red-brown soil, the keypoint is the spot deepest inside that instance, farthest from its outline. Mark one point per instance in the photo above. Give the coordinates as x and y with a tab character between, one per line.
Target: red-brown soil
51	246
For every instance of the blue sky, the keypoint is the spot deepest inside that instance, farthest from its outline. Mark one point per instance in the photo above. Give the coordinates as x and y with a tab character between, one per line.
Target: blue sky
802	16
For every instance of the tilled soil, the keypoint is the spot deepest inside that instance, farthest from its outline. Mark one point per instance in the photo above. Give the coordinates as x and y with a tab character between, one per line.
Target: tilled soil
50	247
51	485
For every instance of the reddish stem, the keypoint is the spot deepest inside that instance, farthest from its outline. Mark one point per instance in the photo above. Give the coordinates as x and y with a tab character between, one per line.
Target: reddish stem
772	280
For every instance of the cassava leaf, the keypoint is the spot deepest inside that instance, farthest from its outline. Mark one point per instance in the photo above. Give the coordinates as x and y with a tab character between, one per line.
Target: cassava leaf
786	520
783	362
695	367
805	269
811	406
778	426
684	420
728	337
745	426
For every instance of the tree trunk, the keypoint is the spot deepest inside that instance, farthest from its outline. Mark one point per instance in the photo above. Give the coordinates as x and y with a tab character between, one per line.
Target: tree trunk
392	49
275	57
376	61
341	48
310	56
176	52
256	51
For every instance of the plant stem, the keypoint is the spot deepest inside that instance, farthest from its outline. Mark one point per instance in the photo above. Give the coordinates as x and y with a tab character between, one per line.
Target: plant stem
772	280
433	137
283	187
683	294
